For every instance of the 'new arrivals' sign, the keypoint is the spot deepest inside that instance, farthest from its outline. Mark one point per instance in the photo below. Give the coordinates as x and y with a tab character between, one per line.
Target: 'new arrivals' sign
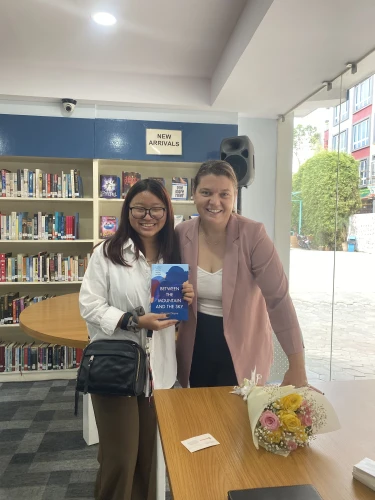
163	142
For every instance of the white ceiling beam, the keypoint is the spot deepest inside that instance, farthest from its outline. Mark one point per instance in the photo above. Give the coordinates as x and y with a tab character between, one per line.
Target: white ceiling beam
247	24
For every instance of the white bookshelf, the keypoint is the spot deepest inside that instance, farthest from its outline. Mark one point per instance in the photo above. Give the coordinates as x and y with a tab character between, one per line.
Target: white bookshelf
90	208
38	375
167	170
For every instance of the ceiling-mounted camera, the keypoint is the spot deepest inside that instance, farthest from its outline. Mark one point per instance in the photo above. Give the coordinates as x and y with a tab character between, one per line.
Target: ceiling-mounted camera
69	105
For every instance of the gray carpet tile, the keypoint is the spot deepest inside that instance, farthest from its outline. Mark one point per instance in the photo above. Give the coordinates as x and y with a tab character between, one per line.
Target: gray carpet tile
42	452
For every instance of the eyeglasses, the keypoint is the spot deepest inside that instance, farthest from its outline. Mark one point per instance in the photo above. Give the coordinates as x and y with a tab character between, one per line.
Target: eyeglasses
156	213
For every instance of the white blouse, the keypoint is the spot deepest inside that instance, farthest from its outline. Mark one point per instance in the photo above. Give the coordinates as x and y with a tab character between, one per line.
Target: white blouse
210	292
108	291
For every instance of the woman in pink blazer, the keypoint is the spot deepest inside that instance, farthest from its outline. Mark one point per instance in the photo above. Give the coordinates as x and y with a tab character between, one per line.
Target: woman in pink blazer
241	292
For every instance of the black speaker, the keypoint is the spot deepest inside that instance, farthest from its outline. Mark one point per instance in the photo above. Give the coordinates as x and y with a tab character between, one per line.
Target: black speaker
239	153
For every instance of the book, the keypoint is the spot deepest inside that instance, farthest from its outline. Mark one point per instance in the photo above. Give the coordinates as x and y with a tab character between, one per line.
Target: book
108	226
178	219
179	188
160	179
166	290
109	186
128	180
298	492
364	472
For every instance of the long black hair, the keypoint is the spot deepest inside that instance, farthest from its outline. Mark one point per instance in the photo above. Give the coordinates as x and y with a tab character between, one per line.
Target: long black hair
168	245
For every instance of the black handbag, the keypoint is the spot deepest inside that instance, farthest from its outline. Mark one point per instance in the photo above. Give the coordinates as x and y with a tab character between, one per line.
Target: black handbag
111	367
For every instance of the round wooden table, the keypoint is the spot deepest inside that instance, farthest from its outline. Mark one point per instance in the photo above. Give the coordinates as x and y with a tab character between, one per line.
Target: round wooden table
57	321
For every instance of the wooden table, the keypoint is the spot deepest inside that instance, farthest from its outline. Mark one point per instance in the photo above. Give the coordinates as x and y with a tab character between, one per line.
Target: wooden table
57	321
235	464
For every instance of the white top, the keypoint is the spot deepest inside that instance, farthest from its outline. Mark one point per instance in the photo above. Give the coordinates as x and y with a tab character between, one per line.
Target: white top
108	291
209	292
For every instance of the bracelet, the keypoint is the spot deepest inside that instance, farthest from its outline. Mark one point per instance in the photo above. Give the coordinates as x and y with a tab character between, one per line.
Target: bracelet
133	323
125	321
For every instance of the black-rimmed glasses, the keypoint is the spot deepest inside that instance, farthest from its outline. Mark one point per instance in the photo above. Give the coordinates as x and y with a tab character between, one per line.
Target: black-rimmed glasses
156	213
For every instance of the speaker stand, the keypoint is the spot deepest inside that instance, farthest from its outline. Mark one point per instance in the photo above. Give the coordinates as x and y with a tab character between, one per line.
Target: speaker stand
239	200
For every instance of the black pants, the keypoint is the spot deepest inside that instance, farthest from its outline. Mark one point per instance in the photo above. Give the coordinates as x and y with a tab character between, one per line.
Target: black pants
212	364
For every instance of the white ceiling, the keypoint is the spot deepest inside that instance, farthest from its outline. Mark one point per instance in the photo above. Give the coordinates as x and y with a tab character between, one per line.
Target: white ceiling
257	57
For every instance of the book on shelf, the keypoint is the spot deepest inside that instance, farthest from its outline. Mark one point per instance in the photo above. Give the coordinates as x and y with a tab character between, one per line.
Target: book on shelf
128	180
109	186
11	306
159	179
166	290
28	356
108	226
178	219
193	216
179	188
26	183
191	188
42	267
39	226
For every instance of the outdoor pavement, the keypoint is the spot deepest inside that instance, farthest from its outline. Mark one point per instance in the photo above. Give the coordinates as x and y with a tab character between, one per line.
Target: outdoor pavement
353	312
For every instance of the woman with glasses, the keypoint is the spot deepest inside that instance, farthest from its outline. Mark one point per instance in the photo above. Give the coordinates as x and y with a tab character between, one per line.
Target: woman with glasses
117	283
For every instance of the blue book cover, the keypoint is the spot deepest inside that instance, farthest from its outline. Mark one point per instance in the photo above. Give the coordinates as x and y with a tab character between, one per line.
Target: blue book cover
109	186
166	290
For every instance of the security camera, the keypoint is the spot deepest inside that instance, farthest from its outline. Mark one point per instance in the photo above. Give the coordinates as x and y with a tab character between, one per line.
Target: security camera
69	105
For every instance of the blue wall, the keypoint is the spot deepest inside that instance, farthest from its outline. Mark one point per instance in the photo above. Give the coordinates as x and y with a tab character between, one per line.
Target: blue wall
102	138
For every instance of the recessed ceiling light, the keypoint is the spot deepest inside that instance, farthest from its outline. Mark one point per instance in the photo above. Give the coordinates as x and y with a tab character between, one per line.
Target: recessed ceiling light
104	18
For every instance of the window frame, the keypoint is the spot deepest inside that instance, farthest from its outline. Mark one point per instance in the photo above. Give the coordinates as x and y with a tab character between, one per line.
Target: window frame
368	134
365	102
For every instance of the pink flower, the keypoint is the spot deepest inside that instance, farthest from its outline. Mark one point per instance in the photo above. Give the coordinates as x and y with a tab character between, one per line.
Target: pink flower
306	419
291	445
269	420
306	407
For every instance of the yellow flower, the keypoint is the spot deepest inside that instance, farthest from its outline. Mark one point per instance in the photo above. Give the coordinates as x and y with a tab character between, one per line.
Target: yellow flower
290	421
273	436
291	402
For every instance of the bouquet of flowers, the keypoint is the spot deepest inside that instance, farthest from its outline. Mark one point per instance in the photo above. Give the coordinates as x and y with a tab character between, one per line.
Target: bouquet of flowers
285	418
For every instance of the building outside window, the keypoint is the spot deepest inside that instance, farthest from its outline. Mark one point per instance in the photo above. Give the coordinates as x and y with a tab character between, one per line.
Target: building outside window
342	143
363	94
363	172
361	134
340	113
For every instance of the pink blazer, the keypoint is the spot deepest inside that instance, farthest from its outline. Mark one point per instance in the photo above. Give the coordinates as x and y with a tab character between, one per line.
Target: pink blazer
255	296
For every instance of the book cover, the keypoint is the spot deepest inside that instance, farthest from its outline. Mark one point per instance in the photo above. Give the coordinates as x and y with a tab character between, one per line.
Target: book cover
179	188
305	491
178	219
108	226
109	186
159	179
166	290
128	180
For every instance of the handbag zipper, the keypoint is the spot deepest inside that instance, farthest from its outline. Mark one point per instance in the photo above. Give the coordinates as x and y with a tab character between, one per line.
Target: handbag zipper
139	362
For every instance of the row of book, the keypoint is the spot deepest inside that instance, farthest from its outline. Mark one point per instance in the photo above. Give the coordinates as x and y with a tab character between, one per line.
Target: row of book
110	185
39	226
26	183
18	357
11	306
42	267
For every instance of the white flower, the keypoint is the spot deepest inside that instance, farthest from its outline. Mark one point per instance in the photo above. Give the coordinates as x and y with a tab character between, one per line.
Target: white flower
247	385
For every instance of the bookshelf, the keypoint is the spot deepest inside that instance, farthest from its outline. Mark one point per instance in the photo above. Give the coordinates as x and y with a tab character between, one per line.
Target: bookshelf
90	207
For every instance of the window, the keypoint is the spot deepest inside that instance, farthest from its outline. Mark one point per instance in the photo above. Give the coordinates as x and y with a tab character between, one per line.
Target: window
340	113
343	142
361	134
363	172
362	94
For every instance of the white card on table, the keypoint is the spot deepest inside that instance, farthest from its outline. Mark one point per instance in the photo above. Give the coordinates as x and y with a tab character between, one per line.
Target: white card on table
200	442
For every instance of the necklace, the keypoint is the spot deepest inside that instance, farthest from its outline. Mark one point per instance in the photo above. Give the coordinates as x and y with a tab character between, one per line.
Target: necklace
214	243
